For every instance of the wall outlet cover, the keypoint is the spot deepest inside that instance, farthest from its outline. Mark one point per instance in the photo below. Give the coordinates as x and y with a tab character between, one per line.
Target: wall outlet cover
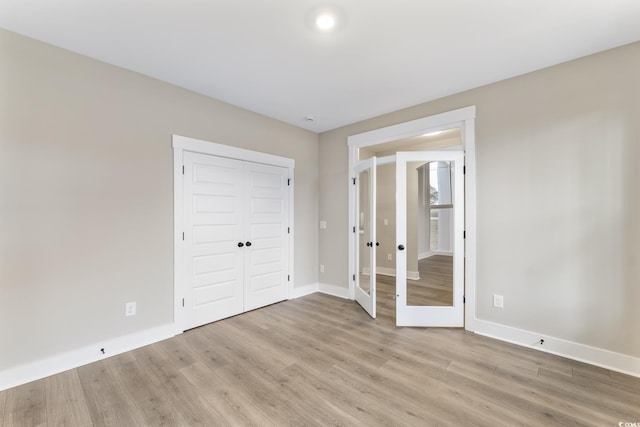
130	309
498	301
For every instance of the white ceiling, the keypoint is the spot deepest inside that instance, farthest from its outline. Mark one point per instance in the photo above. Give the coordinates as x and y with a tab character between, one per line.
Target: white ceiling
263	55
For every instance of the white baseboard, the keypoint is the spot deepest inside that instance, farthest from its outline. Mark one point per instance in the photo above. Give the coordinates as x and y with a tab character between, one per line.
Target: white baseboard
42	368
386	271
413	275
336	291
595	356
424	255
304	290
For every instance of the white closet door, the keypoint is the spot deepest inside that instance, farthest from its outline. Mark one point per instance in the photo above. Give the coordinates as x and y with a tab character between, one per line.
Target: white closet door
213	218
266	222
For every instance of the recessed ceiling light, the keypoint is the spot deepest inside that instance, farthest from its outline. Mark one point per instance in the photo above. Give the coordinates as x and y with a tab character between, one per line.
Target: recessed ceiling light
327	18
309	118
325	21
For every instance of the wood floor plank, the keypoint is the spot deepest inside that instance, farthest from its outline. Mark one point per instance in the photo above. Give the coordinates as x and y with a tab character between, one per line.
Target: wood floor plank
3	410
234	405
263	393
374	388
205	349
176	351
107	401
66	404
192	409
446	397
531	391
605	401
153	405
305	346
26	405
314	411
355	404
242	350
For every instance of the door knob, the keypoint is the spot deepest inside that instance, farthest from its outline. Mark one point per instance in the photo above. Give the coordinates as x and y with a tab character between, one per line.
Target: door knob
240	244
377	243
369	244
401	247
248	244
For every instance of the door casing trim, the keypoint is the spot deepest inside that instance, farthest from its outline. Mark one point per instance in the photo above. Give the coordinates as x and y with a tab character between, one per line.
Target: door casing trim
463	119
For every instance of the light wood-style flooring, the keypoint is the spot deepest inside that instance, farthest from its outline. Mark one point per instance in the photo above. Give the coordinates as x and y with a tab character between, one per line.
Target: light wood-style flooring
434	288
320	361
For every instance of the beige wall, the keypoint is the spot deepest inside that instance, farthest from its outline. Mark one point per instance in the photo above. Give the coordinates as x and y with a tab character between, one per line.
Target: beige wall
386	209
86	195
557	198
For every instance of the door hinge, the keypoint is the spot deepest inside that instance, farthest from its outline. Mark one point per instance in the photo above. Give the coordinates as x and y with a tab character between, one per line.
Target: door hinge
354	181
354	277
289	181
464	234
354	229
182	169
183	302
288	230
464	170
183	235
464	299
288	277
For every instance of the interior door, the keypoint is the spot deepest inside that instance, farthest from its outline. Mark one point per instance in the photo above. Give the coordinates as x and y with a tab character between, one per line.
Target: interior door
365	181
267	240
213	214
430	269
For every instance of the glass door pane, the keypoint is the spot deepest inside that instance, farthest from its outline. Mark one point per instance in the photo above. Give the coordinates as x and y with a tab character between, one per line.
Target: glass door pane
365	181
364	232
429	218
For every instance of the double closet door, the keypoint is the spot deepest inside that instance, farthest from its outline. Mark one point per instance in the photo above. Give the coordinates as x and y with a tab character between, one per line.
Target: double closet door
236	244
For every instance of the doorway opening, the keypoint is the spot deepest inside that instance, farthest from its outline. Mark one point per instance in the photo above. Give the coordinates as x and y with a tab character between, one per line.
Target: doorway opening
416	262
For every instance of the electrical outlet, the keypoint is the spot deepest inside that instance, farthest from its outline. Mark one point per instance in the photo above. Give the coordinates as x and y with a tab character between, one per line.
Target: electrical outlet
386	221
323	225
389	257
498	301
321	268
130	309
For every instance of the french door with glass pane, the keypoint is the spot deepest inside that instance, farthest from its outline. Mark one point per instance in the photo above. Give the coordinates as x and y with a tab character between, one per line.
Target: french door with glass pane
429	227
365	229
429	238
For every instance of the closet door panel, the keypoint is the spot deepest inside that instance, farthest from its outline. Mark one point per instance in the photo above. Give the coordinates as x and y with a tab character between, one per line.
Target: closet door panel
213	218
266	222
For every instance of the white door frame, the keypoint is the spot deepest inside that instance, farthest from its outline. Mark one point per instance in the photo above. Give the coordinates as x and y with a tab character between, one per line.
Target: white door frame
463	119
426	315
181	144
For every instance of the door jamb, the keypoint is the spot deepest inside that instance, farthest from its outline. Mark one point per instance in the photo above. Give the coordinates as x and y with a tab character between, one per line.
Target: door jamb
463	119
183	143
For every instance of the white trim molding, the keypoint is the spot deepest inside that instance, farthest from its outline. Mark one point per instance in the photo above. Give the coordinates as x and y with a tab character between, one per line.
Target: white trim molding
205	147
303	291
391	272
42	368
583	353
336	291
